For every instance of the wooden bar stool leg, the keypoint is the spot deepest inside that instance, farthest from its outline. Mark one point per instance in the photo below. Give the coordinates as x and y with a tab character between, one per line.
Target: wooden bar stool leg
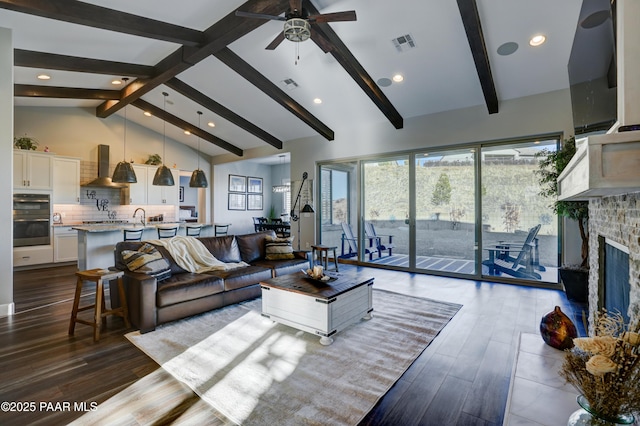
98	310
123	303
76	303
325	258
335	259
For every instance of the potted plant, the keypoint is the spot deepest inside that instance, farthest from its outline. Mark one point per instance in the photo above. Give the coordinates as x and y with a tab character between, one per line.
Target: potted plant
574	277
25	142
154	160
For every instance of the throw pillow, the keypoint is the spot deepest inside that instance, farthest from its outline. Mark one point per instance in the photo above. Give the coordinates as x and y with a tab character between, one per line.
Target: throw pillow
147	260
279	248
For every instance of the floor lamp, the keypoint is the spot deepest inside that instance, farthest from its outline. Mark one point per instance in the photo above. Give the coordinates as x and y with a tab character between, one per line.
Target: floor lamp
306	209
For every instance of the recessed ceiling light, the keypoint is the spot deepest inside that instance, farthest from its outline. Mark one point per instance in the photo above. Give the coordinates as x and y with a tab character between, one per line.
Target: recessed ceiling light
116	82
398	78
211	124
186	132
147	113
317	101
44	77
537	40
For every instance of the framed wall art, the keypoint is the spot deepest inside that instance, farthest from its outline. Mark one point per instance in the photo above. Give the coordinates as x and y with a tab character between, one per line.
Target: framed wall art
254	201
237	201
237	183
254	185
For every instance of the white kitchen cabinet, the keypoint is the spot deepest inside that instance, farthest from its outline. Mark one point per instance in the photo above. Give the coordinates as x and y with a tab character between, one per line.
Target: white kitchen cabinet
66	180
65	244
138	191
162	194
32	170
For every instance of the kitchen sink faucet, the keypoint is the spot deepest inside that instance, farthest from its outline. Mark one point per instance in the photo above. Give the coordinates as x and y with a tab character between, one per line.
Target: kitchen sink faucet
143	215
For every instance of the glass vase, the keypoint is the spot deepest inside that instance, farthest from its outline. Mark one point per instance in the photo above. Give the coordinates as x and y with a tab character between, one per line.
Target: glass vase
586	416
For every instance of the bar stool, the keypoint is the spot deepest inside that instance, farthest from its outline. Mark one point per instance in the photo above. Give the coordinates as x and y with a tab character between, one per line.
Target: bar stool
322	253
98	276
193	230
167	232
221	229
132	234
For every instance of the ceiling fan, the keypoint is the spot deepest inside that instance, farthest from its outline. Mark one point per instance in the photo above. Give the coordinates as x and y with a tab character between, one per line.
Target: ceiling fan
297	22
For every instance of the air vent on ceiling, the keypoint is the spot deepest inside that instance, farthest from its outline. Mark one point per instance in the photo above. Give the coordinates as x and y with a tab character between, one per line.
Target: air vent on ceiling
404	43
289	84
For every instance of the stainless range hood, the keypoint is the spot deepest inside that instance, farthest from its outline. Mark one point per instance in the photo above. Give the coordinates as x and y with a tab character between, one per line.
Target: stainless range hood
104	180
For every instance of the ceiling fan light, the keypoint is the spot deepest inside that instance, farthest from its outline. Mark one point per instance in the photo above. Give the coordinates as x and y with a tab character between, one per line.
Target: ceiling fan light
124	173
163	177
198	179
297	30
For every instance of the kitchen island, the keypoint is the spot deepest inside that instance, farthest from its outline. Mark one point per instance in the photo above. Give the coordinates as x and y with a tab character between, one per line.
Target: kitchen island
96	242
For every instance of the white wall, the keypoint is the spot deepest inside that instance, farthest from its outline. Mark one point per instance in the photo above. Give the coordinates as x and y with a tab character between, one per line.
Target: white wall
6	156
241	220
546	113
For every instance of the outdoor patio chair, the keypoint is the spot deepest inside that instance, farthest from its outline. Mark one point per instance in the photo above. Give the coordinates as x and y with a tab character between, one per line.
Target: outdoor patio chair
352	244
518	260
370	232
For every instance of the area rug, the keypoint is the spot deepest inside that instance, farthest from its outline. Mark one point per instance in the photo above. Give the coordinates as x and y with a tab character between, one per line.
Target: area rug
257	372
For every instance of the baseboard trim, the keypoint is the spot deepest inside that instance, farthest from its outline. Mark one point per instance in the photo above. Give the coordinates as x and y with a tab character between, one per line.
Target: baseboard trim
7	309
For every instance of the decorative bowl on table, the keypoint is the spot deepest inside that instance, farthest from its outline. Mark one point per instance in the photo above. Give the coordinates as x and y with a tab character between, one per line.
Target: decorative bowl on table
317	274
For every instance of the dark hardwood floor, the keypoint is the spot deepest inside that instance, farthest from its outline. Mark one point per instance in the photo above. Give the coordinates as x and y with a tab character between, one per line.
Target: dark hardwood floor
462	378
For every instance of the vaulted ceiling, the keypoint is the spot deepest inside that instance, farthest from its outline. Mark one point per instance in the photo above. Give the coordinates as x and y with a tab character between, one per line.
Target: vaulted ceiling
209	59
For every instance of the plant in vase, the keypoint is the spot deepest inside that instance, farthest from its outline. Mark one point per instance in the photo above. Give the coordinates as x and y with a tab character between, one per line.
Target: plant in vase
25	142
605	369
551	164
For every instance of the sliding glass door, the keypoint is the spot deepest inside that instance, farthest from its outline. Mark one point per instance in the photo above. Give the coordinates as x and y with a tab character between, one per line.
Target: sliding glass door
473	212
445	211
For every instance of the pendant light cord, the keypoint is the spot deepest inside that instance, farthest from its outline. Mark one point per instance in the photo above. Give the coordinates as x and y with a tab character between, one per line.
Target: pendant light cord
124	145
164	130
199	115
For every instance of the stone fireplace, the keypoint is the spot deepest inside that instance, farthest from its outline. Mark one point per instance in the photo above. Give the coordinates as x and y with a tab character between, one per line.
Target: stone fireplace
616	219
606	172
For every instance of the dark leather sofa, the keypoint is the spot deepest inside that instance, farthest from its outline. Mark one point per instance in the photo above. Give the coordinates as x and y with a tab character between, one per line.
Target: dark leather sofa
183	294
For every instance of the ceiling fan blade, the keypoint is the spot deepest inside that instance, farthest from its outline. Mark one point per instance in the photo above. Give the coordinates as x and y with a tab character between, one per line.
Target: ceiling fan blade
295	5
349	15
276	41
322	42
259	16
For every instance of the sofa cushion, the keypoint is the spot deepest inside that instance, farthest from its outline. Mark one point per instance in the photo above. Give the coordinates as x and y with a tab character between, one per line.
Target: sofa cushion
242	277
252	245
187	286
278	248
147	260
224	248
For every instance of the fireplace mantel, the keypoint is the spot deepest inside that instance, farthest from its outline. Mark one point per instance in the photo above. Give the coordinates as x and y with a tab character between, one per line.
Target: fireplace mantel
604	165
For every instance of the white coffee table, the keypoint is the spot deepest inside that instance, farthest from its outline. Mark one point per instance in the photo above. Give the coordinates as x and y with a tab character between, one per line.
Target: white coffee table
318	308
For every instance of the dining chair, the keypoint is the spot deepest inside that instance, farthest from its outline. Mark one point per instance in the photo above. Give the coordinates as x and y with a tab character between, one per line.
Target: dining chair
221	230
167	232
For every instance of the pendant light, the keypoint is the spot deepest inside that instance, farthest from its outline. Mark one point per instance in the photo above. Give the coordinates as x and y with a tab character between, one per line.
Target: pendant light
163	176
123	172
198	178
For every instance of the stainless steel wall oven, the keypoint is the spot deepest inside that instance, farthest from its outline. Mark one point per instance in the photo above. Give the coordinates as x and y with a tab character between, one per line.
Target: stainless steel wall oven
31	220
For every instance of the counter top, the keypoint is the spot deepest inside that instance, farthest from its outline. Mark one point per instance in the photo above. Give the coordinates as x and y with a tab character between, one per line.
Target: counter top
110	227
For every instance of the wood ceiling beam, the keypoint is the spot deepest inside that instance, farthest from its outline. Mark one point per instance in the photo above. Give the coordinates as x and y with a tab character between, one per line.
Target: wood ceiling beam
52	61
216	37
252	75
473	28
351	65
81	13
35	91
178	122
213	106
